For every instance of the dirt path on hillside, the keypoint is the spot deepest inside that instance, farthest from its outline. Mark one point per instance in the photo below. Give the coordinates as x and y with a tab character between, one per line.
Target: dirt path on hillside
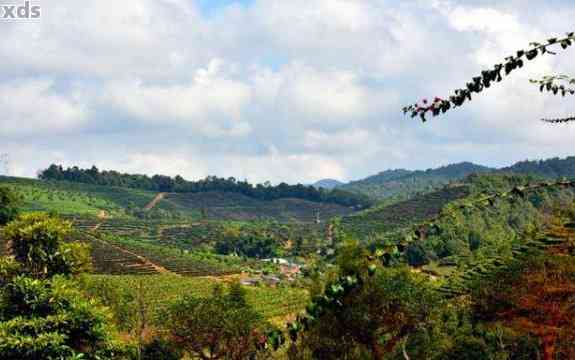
155	201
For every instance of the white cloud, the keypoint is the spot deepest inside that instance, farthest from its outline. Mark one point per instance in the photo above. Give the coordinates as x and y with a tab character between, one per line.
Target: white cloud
210	104
279	90
33	107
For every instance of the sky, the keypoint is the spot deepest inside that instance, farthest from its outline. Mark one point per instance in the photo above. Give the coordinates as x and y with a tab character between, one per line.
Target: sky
276	90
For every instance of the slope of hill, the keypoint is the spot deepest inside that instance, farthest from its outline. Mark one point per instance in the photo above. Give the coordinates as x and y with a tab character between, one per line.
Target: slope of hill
69	198
162	183
383	219
550	168
387	218
74	198
232	206
402	184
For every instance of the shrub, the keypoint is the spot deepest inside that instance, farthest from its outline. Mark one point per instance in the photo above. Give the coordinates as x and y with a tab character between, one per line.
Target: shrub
9	203
215	328
36	241
49	319
160	349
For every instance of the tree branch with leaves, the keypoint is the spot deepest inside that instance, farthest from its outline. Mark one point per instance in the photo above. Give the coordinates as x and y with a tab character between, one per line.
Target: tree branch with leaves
487	78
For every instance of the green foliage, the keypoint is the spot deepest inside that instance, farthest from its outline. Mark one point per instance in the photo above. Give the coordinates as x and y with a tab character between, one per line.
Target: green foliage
42	316
416	256
217	327
160	349
9	205
36	241
237	294
259	245
75	198
49	319
379	220
367	320
464	231
120	294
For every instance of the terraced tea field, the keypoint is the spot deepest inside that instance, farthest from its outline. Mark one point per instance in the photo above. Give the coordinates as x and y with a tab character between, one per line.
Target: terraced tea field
114	260
160	290
233	206
74	198
179	261
402	214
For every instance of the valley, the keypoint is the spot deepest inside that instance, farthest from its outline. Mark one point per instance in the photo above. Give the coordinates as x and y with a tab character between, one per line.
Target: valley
155	247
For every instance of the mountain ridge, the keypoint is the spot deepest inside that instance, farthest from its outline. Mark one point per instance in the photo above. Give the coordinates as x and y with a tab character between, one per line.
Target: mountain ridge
400	184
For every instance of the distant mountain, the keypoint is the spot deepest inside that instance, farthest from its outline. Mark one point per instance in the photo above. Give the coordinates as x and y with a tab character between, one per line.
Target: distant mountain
402	184
327	184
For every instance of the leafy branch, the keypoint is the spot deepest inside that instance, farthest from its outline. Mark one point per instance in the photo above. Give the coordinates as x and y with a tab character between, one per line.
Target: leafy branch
487	78
555	84
560	120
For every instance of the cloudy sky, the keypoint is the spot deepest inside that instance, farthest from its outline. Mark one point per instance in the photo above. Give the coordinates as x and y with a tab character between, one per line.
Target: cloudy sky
280	90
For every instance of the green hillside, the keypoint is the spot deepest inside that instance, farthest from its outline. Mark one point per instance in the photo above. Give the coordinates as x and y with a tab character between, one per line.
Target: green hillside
377	221
383	219
550	168
72	198
233	206
75	198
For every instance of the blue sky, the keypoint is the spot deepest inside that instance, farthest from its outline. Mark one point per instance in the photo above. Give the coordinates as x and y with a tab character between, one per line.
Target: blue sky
213	6
276	90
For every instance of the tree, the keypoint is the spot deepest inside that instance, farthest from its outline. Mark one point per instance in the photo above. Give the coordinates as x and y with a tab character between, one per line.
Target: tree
36	241
218	327
42	314
366	313
555	84
50	319
9	203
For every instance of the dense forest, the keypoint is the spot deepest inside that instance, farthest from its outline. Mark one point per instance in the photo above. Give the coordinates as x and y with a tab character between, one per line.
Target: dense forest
178	184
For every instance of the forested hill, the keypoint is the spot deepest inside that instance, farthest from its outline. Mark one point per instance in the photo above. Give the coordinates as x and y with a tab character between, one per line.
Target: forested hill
550	168
161	183
327	184
402	183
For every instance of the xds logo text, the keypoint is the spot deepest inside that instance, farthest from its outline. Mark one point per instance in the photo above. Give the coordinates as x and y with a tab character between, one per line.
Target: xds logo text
23	11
